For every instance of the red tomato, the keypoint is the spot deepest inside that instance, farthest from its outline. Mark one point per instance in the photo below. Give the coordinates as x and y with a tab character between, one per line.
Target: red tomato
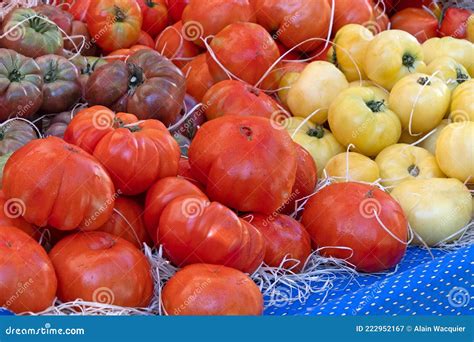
102	268
343	214
27	278
60	185
247	163
121	19
162	193
416	21
320	54
294	21
127	222
171	44
123	54
352	12
284	237
306	179
78	9
290	56
184	171
10	215
205	18
145	39
216	290
176	8
145	147
193	230
454	22
198	77
245	49
237	98
155	16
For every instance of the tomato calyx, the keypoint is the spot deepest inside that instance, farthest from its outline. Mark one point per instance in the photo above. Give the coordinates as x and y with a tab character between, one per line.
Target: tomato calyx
424	81
137	77
90	68
369	194
413	170
52	74
39	24
15	76
119	14
408	60
150	3
246	132
460	76
376	106
333	58
317	132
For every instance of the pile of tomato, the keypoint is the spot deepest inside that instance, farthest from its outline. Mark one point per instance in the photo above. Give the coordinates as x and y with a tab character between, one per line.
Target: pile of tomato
228	134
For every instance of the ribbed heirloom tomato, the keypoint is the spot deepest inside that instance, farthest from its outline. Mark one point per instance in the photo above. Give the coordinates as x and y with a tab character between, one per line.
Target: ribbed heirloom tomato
353	12
8	217
198	77
145	147
247	163
155	16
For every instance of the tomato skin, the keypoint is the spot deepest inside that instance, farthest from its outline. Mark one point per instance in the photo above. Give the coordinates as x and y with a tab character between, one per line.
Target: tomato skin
232	97
227	151
160	195
245	49
17	222
462	106
176	8
217	290
352	166
49	194
198	77
416	21
341	214
146	39
155	16
454	22
461	50
123	54
194	230
284	237
115	269
184	171
352	12
450	71
78	9
146	146
28	279
123	18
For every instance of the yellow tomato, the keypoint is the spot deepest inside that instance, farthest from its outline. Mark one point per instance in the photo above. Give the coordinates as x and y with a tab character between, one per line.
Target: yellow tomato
315	89
470	29
455	150
285	84
350	46
407	138
359	117
462	102
379	91
392	55
296	123
459	49
352	166
420	101
402	162
436	208
449	70
429	143
318	141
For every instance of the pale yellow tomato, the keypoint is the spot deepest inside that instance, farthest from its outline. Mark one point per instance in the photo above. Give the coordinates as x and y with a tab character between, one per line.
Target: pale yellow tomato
420	101
401	162
407	138
470	29
461	50
379	91
462	102
285	84
429	143
317	140
352	166
350	46
359	117
315	89
455	150
436	208
392	55
296	123
449	70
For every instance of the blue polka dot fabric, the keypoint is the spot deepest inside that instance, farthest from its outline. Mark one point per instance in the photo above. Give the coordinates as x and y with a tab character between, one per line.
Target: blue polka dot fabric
441	284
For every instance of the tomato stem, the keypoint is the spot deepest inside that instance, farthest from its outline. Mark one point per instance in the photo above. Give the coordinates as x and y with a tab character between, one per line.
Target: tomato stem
460	76
52	74
376	106
40	25
413	170
137	77
424	81
246	132
317	132
15	76
150	3
408	60
119	14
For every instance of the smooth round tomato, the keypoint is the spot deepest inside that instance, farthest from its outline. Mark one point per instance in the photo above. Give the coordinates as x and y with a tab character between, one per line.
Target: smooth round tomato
11	216
286	82
116	272
278	73
162	193
352	12
28	281
76	193
321	78
429	143
429	205
420	101
246	50
352	167
146	147
455	151
237	98
193	230
123	54
292	21
215	290
454	22
360	117
127	222
462	104
248	163
176	8
345	215
122	18
449	70
198	77
420	23
392	55
285	238
470	29
207	18
401	162
146	40
155	16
